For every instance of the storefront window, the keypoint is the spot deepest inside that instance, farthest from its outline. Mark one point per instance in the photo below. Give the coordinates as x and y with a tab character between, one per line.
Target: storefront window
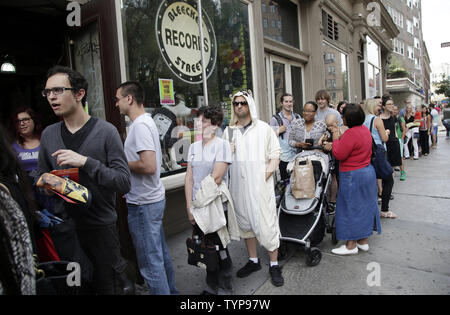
336	74
162	47
283	21
373	68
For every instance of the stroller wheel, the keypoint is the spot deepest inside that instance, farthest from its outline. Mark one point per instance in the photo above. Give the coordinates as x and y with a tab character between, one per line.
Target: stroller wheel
314	257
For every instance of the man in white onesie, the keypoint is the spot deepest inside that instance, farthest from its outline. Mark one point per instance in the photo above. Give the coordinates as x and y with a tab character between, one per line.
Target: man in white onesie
255	158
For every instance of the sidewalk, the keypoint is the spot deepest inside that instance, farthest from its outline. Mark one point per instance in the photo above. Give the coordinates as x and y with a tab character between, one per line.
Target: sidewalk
412	253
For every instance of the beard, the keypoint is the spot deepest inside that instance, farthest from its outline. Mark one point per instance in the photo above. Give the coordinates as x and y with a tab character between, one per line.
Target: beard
242	114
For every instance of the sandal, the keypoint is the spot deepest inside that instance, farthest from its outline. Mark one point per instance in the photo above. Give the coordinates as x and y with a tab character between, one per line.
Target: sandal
388	215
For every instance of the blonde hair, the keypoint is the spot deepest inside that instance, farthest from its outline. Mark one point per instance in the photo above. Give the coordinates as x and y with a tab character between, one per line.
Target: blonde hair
369	106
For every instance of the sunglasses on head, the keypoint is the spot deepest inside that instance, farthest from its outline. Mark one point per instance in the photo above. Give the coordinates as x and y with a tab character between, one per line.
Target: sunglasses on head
244	103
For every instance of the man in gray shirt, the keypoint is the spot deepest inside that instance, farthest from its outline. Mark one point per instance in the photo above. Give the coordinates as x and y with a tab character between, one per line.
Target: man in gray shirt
323	100
146	200
95	148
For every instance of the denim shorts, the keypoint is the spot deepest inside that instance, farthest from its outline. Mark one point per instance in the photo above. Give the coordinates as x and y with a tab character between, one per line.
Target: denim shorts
434	130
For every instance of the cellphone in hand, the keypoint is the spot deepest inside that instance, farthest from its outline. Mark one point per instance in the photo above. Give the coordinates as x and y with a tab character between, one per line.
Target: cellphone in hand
310	141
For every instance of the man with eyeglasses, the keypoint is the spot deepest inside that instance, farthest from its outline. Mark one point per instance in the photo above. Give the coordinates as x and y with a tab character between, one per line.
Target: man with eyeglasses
146	200
256	154
94	147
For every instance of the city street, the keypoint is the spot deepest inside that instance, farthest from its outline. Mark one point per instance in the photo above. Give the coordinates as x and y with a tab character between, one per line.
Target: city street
412	254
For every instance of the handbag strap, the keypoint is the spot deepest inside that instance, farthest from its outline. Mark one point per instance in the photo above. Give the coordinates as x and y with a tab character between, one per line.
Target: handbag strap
374	145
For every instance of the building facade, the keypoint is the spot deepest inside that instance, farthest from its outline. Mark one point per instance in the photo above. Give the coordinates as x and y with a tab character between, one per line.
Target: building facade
409	54
270	47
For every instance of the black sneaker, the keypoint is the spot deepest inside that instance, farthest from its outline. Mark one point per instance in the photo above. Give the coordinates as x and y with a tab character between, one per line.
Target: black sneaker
249	268
275	274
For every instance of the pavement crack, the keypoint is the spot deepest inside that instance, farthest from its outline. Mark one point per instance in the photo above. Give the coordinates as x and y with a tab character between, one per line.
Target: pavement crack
429	196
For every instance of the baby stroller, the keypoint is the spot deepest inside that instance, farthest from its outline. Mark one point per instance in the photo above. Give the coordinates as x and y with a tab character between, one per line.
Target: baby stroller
304	221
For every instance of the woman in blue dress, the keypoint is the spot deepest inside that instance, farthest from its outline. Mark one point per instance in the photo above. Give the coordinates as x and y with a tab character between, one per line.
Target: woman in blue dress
357	212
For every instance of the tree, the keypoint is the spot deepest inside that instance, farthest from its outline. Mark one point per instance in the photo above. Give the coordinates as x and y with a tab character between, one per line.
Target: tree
443	87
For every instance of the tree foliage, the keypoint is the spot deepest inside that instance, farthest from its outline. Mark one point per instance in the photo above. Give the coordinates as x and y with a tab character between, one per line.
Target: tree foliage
397	70
443	87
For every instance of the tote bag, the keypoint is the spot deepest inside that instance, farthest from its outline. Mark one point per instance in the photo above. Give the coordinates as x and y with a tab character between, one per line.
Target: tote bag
379	162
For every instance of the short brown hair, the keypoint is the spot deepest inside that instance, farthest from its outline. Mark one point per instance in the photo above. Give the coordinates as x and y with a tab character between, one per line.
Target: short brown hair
212	112
323	94
76	79
285	95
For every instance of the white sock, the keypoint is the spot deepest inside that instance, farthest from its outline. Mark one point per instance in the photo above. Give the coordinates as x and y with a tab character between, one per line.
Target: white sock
273	263
255	260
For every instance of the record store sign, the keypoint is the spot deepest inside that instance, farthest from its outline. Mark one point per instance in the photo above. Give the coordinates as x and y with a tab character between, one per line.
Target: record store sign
177	31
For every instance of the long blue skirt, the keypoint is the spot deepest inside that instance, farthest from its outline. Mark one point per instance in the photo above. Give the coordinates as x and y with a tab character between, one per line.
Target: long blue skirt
357	214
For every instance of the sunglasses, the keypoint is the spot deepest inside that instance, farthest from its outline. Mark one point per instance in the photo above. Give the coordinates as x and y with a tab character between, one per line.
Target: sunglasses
244	103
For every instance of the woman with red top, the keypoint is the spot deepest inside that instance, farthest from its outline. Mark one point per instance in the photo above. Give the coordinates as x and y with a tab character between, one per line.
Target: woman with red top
356	207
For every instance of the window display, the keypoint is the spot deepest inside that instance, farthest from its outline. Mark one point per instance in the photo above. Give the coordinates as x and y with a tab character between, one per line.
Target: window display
162	42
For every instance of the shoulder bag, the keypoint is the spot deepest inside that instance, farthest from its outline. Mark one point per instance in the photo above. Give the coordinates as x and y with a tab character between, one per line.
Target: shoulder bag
201	254
382	167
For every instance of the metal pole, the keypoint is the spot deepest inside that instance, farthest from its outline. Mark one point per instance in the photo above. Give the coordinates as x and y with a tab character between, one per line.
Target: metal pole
202	53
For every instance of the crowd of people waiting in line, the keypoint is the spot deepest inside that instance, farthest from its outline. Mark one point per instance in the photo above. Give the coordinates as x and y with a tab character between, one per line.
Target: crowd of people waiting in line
241	165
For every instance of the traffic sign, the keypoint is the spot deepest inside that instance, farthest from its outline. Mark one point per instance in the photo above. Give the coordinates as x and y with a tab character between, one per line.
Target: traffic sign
447	44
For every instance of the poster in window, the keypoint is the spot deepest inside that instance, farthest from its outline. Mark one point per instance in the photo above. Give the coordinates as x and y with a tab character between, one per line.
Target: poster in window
166	94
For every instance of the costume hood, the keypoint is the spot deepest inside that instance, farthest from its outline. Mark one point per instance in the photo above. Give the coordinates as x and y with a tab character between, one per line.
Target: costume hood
251	105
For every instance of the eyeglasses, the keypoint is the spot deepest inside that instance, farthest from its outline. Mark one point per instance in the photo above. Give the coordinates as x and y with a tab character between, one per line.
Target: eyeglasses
23	120
244	103
56	91
309	111
118	99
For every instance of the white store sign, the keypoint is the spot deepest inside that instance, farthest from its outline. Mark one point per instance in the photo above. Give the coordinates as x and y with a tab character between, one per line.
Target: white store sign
177	31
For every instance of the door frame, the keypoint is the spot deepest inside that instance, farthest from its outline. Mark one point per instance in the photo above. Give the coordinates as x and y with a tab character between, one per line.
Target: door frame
104	14
269	59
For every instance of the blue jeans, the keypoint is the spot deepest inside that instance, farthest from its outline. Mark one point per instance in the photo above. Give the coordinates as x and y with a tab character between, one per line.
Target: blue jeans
155	265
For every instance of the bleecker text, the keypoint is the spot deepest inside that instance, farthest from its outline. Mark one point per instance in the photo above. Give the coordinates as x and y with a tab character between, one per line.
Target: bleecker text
185	10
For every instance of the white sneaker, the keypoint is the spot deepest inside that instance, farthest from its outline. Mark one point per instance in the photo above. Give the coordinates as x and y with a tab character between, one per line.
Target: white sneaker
344	251
364	248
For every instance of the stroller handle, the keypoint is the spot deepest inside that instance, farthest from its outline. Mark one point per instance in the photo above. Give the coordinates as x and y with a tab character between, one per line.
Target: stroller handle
314	147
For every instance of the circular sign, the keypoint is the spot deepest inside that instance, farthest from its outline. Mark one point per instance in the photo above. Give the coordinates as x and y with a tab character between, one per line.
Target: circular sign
178	36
